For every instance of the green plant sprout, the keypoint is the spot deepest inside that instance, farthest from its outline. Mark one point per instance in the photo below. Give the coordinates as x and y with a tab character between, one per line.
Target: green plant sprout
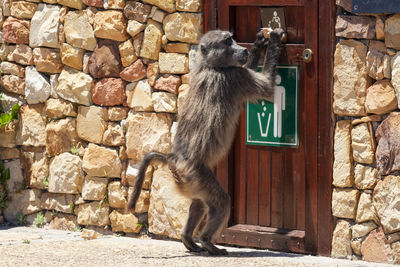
39	221
21	219
74	150
5	118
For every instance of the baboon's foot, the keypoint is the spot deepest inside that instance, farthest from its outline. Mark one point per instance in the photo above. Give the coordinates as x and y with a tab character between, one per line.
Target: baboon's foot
213	250
190	245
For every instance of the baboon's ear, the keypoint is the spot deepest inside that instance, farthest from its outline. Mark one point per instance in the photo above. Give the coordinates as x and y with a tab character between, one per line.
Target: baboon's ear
203	49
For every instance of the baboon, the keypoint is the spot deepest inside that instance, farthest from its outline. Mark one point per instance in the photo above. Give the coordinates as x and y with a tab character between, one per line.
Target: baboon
222	79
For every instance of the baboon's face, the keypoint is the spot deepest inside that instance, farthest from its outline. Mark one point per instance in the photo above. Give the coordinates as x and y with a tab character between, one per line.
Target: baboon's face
220	50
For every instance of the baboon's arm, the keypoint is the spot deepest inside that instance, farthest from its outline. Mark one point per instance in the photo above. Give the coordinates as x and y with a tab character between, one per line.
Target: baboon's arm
255	52
273	53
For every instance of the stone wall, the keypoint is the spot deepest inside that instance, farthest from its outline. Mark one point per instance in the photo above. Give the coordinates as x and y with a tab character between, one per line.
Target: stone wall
366	194
99	83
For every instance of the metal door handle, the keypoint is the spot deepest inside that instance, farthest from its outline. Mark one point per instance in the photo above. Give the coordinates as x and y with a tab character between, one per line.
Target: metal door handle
307	55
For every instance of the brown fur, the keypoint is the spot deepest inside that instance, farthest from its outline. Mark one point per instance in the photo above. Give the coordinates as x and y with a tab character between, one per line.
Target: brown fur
221	81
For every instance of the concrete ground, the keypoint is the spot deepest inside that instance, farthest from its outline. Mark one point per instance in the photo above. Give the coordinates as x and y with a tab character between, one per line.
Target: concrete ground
27	246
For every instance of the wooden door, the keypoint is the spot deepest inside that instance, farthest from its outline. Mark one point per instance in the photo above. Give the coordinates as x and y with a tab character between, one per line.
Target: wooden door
281	196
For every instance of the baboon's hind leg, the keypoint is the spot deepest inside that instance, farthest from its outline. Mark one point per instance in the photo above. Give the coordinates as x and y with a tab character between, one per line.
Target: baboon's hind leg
218	202
196	213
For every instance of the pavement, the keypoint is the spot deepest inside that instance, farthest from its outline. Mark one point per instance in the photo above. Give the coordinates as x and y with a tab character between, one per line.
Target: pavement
28	246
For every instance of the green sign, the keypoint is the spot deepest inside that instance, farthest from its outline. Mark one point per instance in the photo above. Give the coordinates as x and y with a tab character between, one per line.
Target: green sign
276	124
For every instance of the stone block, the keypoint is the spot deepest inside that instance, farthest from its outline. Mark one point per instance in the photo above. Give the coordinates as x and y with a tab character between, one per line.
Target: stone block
395	65
44	26
167	5
58	202
151	45
386	199
64	222
16	182
182	48
350	78
127	52
105	60
164	102
152	72
392	32
375	247
94	188
66	175
23	10
117	195
365	209
169	83
173	63
93	213
114	135
343	162
16	31
127	223
13	69
134	72
78	31
77	4
25	202
380	98
61	136
357	27
365	177
13	84
72	56
75	86
341	240
378	62
137	11
363	143
21	54
8	135
9	153
189	5
168	208
148	132
37	86
134	27
47	60
109	92
59	108
110	24
101	161
117	113
183	27
91	123
345	202
32	126
139	96
361	230
36	167
388	149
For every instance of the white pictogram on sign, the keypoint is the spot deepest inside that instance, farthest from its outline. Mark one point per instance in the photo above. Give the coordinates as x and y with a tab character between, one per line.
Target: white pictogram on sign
275	22
279	106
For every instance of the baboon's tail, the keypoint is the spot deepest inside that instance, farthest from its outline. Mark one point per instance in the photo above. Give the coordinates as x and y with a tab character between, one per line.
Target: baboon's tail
140	176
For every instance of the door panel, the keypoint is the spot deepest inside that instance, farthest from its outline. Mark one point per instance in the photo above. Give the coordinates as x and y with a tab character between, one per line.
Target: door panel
281	196
268	184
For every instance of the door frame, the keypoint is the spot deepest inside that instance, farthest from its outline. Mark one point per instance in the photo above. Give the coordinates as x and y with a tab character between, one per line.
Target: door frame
316	239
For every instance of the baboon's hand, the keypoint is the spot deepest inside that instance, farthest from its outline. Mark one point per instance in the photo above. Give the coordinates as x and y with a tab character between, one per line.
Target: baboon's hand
277	34
260	41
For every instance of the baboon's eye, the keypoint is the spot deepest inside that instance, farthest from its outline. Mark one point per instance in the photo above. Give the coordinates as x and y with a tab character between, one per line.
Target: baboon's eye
228	41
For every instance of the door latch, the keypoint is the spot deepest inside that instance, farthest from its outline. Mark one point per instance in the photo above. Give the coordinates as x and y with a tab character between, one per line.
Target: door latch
307	55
